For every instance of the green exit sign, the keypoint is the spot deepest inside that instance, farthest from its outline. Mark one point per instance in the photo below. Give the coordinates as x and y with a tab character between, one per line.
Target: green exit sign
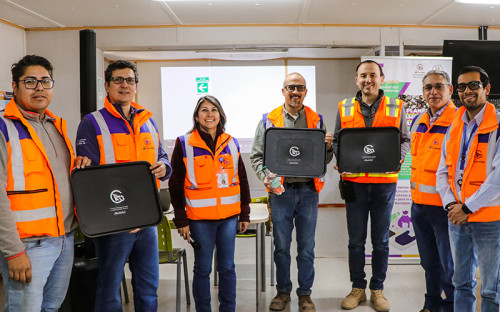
202	85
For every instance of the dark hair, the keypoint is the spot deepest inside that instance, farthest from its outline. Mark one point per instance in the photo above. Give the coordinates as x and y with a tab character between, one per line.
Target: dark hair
370	62
18	69
120	64
485	79
213	100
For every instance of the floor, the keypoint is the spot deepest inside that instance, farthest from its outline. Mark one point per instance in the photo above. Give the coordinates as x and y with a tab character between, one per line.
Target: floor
404	286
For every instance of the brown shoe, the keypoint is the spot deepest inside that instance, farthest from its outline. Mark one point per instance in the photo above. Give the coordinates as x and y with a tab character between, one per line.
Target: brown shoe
306	304
380	302
352	300
279	302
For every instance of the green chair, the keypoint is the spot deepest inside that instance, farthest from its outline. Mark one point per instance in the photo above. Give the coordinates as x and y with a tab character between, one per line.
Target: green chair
168	254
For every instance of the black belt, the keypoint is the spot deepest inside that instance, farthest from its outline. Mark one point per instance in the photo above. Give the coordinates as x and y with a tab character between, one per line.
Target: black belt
296	185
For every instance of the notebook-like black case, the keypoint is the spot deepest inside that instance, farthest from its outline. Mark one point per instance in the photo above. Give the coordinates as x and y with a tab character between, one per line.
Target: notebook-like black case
295	152
115	198
376	150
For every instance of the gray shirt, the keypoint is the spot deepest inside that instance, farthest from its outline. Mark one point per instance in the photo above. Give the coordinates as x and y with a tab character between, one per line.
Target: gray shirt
257	153
59	159
369	112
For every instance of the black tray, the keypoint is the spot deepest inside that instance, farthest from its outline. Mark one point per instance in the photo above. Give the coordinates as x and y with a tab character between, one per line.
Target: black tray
295	152
115	198
376	149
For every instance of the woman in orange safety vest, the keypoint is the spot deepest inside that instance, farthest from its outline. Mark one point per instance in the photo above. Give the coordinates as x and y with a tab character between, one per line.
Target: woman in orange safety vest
210	195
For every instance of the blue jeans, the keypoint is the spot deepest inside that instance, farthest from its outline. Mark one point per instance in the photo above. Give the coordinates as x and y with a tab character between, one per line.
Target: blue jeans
300	204
431	230
51	263
221	234
473	244
375	200
141	250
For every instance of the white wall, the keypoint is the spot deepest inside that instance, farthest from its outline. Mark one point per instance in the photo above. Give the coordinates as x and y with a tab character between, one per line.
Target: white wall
13	49
62	49
334	81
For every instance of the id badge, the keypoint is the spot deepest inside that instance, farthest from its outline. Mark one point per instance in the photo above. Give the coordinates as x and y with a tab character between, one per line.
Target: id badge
222	178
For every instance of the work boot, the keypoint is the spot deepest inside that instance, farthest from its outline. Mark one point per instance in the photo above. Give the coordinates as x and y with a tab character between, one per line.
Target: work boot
353	299
279	302
306	304
380	302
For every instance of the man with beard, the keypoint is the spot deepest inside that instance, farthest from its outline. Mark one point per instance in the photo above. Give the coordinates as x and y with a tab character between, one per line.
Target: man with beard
468	180
429	219
299	201
374	192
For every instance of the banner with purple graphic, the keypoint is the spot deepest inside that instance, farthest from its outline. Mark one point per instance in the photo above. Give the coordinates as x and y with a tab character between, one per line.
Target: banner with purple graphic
403	80
5	97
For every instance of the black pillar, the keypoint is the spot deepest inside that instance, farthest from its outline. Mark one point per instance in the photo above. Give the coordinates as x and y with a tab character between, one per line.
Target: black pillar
88	74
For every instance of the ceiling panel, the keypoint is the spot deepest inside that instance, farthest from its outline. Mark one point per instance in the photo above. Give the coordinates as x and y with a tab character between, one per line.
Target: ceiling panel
79	13
468	14
384	12
238	12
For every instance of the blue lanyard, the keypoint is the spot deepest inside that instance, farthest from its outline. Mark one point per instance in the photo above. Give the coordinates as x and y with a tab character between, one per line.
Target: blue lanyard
465	145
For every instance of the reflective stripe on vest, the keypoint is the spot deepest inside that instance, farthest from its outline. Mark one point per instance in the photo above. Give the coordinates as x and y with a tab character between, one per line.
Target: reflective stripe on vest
109	153
348	107
35	214
17	156
424	188
18	178
190	160
107	141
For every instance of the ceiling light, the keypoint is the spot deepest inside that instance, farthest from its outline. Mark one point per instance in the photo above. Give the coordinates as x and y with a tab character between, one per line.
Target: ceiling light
479	1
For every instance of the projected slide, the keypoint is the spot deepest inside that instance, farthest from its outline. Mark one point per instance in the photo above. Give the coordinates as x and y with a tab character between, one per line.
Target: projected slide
245	93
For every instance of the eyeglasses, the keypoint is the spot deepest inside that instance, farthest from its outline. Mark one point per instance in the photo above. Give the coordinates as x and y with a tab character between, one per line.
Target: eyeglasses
31	83
291	88
119	80
437	86
473	85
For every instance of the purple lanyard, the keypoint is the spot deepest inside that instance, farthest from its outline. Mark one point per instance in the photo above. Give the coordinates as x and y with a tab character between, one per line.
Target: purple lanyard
465	146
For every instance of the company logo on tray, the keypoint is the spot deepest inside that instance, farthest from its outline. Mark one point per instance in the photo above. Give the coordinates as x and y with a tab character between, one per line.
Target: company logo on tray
369	149
116	196
294	151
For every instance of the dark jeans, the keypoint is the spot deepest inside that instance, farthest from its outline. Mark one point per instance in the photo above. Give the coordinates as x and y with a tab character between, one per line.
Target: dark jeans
141	249
221	234
299	207
431	230
374	200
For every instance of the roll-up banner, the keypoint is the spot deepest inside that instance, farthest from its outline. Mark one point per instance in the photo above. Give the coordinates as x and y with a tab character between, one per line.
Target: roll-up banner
403	80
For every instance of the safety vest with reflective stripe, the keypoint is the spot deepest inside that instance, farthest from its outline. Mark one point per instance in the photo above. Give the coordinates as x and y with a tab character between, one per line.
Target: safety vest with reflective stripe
118	142
205	200
387	115
314	120
480	156
31	187
426	145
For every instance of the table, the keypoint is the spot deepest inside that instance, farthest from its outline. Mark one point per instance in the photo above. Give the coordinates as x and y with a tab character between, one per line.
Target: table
259	215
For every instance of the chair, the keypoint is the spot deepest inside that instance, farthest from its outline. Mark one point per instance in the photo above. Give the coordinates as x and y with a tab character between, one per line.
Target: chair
168	254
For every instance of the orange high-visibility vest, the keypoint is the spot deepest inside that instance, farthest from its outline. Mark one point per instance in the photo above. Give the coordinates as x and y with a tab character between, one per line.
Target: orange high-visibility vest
118	142
31	187
387	115
314	120
479	160
426	145
205	200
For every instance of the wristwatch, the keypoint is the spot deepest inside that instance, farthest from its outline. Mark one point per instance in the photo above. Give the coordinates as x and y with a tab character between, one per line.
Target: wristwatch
466	209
